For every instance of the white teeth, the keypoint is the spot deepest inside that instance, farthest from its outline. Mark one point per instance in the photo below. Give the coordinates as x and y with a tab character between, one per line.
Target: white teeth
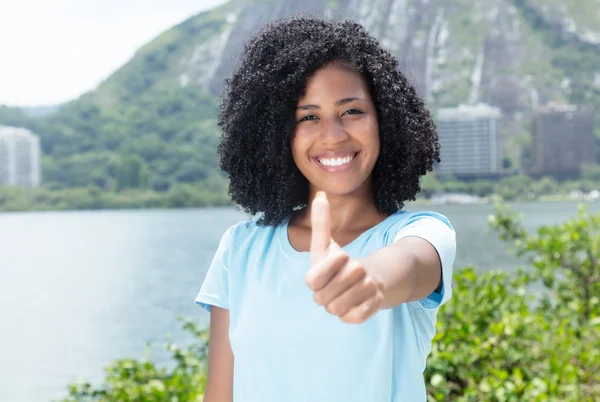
336	162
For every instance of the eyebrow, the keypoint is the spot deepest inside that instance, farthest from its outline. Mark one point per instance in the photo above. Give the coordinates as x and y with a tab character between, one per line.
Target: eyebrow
338	103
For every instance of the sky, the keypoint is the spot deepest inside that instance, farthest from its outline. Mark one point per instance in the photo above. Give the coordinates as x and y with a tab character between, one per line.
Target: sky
52	51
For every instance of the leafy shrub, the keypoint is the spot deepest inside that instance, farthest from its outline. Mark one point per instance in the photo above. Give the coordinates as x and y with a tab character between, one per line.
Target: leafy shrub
129	380
531	336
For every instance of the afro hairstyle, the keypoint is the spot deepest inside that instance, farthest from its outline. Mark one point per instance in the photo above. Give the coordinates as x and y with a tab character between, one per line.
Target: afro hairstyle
257	116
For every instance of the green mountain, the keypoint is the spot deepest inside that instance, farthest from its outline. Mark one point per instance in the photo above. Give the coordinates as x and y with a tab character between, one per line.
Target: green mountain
156	114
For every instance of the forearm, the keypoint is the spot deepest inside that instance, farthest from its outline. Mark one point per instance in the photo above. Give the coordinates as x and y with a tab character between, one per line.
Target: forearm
219	385
408	270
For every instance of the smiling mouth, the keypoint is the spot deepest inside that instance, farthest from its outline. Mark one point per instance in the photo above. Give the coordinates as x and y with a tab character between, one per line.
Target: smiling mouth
333	162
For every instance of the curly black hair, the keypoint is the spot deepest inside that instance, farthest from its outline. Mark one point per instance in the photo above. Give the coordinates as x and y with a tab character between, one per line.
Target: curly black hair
259	105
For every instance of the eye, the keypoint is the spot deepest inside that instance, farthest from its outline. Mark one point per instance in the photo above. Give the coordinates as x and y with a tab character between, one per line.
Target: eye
308	118
352	111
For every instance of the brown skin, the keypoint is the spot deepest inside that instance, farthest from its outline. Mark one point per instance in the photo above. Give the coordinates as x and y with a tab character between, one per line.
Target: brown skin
219	384
324	125
336	117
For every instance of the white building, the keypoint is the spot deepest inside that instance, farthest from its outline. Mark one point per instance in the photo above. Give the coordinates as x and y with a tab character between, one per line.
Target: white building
19	157
470	142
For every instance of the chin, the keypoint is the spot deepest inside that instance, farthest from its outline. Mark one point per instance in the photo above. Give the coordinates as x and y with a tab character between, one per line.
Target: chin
340	189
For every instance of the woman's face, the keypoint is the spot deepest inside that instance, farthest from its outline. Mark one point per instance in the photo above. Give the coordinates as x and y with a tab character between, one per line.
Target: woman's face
336	140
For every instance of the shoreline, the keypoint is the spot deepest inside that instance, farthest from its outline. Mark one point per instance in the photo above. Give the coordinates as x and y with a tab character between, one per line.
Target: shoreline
128	207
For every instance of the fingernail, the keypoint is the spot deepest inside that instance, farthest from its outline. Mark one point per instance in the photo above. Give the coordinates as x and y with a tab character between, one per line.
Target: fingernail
321	194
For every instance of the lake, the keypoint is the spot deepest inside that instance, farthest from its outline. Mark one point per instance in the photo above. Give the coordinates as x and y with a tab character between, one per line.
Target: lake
79	289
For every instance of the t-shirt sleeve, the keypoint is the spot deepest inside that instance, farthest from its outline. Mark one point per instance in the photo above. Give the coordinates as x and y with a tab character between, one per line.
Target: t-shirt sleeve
215	288
435	229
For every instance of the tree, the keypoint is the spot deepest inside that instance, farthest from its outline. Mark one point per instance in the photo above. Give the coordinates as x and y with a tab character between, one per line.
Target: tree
591	173
430	185
132	173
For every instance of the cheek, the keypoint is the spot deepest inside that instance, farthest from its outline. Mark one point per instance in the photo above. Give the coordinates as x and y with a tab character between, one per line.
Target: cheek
376	140
374	147
370	137
298	149
377	143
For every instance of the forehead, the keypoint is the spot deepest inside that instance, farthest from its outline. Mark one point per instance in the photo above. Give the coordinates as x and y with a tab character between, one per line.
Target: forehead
333	82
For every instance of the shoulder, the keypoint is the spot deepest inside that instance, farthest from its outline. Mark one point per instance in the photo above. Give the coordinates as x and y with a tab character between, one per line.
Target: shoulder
406	218
422	223
403	218
246	232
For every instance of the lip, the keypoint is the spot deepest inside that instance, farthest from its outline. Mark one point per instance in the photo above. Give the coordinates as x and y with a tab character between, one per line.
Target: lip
331	155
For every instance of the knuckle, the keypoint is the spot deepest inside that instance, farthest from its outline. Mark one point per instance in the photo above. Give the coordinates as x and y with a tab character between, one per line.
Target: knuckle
341	257
310	279
370	283
318	298
346	319
363	316
356	270
359	319
354	318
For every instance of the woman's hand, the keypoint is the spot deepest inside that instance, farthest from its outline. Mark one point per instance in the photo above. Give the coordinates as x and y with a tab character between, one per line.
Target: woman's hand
341	284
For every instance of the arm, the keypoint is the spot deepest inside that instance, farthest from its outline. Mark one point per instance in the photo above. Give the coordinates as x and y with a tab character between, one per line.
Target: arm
219	382
407	270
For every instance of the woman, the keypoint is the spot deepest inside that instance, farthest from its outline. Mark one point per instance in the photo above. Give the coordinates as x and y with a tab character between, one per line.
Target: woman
331	293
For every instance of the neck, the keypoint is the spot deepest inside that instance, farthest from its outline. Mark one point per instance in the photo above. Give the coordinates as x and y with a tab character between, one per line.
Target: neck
349	212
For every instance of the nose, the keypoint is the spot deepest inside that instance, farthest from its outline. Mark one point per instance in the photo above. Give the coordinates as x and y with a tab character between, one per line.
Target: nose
333	131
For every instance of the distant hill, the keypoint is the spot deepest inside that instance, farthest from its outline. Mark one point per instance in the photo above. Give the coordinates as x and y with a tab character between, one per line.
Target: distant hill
161	105
40	111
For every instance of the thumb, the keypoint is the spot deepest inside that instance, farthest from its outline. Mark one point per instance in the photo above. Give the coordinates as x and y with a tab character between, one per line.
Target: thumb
321	227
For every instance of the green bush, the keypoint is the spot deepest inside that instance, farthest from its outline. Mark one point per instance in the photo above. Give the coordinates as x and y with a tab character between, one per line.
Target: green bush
129	380
529	336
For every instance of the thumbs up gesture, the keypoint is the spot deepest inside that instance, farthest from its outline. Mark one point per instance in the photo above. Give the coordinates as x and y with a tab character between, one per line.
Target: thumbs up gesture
341	284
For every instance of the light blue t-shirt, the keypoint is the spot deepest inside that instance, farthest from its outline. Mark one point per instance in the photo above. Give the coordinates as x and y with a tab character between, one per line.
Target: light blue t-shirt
289	349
